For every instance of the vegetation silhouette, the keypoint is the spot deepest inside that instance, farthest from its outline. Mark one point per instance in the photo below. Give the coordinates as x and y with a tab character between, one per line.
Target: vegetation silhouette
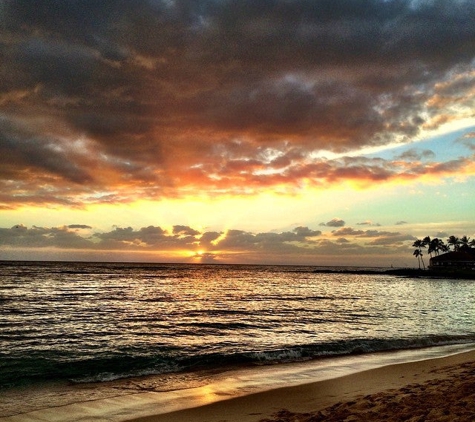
436	246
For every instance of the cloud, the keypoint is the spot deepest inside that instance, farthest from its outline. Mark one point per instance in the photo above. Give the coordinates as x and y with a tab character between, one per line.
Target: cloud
304	232
207	258
184	231
401	223
392	239
207	239
145	238
349	231
368	223
334	222
304	245
414	154
153	238
281	242
79	226
19	236
109	101
377	237
468	140
342	240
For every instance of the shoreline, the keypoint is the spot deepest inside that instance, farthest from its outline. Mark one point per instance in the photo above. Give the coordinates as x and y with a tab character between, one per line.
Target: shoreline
239	395
406	272
370	395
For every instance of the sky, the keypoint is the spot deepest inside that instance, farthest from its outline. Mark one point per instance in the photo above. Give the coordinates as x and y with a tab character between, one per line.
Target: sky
313	132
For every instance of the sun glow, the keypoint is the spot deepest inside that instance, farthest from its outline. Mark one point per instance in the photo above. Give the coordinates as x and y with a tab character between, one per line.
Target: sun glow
196	254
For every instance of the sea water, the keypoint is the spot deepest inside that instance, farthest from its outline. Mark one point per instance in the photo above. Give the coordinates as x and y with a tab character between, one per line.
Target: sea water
86	322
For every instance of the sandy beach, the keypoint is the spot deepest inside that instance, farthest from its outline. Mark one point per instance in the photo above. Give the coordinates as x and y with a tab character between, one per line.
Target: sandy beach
440	389
437	389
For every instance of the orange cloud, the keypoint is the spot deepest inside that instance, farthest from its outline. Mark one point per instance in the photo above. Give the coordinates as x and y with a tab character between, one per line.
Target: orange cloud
224	97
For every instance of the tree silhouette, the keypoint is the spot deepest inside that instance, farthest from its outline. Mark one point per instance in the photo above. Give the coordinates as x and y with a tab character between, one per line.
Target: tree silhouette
464	243
432	245
417	253
440	246
437	245
454	242
419	244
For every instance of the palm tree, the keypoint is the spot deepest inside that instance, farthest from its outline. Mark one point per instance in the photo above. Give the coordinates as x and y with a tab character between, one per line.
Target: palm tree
454	241
441	246
437	245
428	242
464	242
434	247
418	254
419	244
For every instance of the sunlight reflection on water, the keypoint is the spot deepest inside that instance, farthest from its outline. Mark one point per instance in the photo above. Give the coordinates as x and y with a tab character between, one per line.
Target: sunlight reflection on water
100	321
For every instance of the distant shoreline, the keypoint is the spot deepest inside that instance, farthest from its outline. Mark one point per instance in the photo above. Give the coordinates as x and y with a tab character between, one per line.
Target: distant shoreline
401	272
405	272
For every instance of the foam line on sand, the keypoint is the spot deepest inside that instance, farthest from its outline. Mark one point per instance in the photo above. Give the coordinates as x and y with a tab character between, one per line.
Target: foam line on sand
441	389
358	387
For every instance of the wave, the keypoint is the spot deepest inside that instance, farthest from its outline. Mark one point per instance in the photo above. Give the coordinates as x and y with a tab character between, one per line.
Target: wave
356	346
28	370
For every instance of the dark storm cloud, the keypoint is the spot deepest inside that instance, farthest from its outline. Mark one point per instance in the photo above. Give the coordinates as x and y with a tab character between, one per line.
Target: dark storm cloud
164	91
23	148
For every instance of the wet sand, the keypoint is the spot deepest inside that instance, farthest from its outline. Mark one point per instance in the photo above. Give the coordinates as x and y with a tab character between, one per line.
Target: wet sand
441	389
437	389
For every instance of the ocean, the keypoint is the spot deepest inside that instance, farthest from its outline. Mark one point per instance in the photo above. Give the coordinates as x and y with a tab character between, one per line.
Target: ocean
96	322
